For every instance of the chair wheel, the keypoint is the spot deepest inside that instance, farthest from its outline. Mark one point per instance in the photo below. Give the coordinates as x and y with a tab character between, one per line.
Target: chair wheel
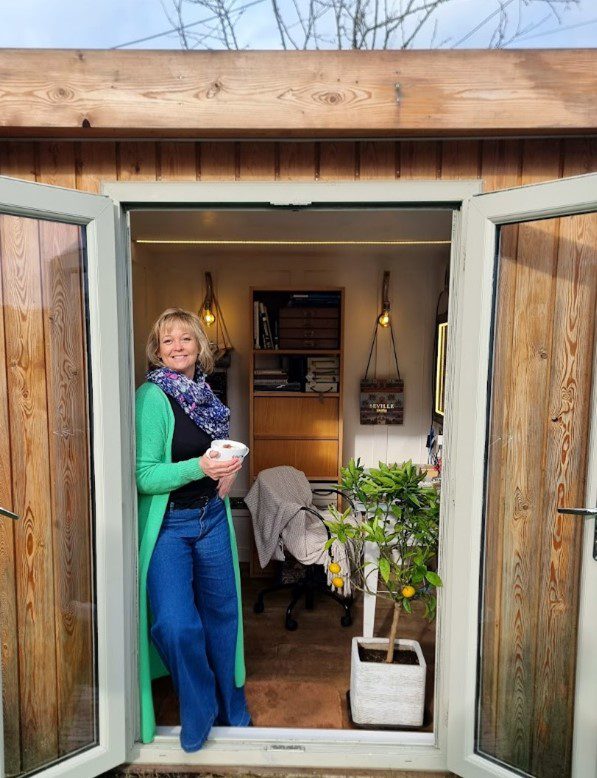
346	620
259	607
291	624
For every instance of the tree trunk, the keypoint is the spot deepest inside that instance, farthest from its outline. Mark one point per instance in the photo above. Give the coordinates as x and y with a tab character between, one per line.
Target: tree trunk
393	630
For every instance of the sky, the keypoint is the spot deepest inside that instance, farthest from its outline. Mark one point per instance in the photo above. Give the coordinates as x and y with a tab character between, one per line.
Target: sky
105	24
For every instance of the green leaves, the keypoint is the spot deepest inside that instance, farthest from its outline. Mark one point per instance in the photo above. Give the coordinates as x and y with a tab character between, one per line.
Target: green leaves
401	518
384	569
433	578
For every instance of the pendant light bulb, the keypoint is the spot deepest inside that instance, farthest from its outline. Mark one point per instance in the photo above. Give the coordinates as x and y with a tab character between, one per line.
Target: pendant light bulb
207	305
384	317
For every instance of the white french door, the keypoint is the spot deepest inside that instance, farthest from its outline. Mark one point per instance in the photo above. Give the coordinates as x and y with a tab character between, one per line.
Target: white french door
522	576
61	523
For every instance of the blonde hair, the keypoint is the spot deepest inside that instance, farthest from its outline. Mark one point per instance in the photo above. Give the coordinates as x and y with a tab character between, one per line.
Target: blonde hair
165	321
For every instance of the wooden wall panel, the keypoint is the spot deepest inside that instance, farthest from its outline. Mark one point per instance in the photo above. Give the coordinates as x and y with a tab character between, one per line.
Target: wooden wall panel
66	370
501	168
178	161
24	331
137	161
526	388
8	587
501	164
565	461
537	462
18	160
95	163
257	161
420	159
461	159
56	164
297	161
498	162
338	161
218	161
378	160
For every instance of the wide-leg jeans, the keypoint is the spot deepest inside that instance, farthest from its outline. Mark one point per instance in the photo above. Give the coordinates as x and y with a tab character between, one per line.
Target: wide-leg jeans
192	595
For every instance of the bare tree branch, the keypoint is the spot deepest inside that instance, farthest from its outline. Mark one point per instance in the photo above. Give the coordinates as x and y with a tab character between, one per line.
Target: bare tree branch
361	24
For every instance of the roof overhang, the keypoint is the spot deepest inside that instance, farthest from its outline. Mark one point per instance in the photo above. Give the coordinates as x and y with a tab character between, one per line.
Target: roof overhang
277	94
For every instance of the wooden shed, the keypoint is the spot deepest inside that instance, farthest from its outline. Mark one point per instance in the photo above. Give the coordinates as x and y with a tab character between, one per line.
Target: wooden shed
471	177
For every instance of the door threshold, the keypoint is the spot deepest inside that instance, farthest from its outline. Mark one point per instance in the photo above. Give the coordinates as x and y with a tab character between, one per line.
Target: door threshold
265	746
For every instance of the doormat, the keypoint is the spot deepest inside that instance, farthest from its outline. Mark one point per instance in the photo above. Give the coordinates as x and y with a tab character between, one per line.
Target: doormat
294	703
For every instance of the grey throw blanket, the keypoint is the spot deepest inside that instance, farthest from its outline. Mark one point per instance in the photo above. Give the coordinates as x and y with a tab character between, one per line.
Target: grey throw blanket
277	502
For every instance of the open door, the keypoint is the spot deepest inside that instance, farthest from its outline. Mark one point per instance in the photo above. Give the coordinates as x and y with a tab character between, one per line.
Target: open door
522	574
61	561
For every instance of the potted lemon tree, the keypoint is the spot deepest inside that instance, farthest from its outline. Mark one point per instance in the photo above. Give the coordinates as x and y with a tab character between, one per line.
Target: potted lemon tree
400	518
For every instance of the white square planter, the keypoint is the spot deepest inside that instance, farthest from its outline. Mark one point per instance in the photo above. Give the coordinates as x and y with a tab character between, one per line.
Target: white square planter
387	695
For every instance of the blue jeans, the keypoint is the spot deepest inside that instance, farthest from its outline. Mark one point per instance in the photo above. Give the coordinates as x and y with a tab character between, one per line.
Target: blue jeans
192	595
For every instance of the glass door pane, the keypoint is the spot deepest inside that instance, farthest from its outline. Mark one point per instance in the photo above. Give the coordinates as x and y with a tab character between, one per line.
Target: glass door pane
541	379
47	597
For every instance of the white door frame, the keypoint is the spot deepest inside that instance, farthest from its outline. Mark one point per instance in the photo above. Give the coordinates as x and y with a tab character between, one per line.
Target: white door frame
482	215
96	213
273	746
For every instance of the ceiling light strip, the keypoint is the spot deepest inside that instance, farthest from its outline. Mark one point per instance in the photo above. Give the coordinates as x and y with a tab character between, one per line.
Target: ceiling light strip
205	242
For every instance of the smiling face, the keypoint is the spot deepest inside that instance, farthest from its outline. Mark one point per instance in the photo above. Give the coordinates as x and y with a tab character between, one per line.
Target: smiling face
179	349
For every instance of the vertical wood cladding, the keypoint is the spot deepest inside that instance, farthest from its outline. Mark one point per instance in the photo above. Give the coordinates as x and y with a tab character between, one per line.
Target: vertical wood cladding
537	461
500	163
47	665
45	556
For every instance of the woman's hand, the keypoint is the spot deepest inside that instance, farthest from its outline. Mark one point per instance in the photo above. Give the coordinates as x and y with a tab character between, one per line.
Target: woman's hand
225	485
217	468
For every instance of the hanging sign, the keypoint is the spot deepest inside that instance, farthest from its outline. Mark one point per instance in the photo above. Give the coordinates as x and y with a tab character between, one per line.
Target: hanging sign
382	399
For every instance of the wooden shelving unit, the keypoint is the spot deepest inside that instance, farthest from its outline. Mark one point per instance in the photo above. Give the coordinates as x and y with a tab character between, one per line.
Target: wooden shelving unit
298	428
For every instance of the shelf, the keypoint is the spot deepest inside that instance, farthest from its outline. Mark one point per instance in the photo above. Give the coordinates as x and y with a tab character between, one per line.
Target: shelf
296	394
310	352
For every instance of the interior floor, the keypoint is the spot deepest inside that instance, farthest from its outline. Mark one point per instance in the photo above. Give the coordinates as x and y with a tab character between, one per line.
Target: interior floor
300	679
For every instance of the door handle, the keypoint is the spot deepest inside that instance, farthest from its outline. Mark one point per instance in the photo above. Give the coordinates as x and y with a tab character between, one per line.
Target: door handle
9	514
579	511
584	513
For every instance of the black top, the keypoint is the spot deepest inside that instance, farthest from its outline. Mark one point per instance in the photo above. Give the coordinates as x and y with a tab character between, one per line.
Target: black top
189	441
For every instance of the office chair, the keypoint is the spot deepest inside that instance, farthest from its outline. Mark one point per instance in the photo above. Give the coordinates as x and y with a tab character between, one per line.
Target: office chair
313	581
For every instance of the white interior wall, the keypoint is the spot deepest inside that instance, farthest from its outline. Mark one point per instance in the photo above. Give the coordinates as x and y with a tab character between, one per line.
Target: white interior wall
162	280
164	277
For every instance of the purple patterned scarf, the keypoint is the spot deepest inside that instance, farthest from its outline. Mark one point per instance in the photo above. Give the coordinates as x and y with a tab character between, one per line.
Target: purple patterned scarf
196	398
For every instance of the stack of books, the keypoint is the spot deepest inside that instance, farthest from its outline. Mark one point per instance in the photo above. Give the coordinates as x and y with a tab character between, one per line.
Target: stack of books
317	299
273	380
322	374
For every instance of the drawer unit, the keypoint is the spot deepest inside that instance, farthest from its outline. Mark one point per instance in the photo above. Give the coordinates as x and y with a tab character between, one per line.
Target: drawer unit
329	314
300	416
315	328
316	458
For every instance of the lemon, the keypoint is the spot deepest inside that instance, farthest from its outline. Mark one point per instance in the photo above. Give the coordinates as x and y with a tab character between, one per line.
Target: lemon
408	592
334	567
338	582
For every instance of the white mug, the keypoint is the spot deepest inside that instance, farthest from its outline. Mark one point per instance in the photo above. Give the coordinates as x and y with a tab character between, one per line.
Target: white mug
229	449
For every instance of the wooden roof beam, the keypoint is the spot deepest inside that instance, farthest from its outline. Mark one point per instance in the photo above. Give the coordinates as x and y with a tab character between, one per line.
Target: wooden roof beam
344	94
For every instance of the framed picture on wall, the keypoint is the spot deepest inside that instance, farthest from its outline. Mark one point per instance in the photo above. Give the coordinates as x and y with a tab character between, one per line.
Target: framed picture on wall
439	362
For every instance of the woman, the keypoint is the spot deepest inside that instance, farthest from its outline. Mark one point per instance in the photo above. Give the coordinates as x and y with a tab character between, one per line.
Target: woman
188	563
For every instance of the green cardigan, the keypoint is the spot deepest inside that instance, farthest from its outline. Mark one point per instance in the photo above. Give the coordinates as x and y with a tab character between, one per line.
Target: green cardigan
157	476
